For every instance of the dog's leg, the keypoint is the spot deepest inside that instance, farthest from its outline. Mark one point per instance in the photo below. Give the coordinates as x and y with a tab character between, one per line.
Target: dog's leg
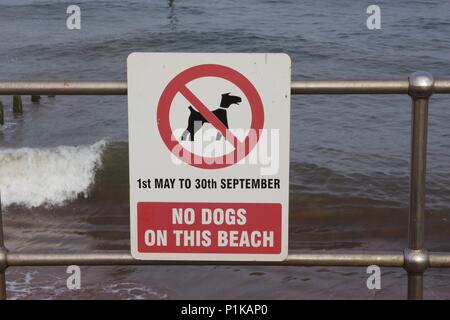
184	135
196	127
190	129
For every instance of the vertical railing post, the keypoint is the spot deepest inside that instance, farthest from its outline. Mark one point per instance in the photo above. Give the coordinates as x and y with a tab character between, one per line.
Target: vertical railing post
3	264
416	256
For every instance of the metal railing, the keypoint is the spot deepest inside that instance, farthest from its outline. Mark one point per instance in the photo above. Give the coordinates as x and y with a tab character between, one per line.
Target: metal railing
415	259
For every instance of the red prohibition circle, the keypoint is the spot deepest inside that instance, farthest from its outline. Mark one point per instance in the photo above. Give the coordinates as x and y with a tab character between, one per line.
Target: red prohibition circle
178	84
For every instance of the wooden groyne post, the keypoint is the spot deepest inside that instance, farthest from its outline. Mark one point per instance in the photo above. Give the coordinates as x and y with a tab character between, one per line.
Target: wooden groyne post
35	98
17	104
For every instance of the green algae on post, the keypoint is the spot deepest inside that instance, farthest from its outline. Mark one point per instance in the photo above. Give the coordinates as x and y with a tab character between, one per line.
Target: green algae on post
17	104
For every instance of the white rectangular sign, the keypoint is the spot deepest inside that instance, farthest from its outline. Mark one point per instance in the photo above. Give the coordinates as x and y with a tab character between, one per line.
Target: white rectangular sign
209	155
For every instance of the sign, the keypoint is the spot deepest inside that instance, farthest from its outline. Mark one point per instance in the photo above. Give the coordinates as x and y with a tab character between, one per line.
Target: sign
178	85
209	156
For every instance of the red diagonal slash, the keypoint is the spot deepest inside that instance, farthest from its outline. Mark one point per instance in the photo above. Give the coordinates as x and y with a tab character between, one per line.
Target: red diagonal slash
211	117
179	85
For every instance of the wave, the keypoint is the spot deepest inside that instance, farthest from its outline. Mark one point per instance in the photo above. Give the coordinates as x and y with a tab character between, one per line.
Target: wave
34	177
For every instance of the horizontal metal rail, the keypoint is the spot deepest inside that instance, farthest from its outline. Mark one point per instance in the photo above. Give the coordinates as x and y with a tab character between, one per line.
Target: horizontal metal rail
124	258
382	259
63	88
415	259
297	87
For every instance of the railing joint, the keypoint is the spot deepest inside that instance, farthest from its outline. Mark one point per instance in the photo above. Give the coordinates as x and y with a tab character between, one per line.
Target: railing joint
421	85
416	261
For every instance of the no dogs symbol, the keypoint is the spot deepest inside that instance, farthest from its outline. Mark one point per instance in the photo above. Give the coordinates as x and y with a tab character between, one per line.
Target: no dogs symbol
200	113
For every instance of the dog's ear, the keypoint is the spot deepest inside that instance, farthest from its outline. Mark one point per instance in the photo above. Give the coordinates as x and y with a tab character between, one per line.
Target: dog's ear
226	94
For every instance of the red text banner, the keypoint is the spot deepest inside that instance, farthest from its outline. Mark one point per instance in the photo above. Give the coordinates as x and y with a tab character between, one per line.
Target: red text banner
220	228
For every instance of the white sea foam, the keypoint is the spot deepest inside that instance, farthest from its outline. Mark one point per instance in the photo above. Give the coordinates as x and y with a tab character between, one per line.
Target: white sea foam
133	291
47	176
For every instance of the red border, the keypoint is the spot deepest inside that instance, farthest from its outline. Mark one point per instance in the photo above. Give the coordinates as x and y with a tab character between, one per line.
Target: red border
200	71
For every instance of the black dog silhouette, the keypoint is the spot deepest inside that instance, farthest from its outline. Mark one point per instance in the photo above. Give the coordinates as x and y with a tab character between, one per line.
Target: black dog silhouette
196	120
